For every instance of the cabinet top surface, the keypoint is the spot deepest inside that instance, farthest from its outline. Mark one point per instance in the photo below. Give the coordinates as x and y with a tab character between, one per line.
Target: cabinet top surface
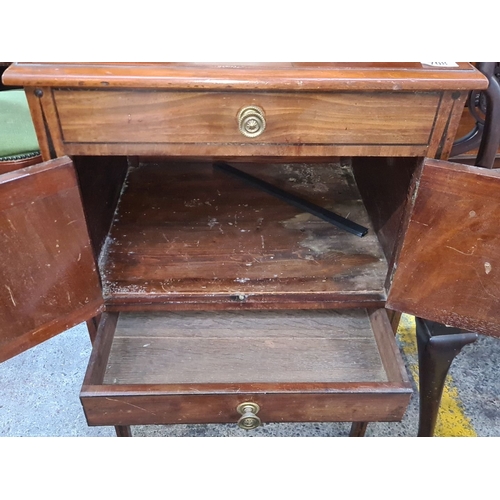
283	76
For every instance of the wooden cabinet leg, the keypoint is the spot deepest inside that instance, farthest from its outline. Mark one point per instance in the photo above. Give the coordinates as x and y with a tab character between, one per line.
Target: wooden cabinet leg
123	431
358	429
438	346
92	325
394	318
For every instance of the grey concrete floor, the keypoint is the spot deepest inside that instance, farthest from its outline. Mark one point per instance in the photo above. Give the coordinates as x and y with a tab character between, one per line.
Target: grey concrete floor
39	396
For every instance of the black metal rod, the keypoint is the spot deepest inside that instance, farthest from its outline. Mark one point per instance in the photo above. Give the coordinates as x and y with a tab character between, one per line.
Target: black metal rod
322	213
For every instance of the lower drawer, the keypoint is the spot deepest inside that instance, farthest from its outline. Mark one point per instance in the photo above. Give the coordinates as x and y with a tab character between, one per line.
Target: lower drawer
202	367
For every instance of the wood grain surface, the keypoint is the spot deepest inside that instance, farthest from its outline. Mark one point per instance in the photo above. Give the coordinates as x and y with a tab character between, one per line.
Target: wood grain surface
197	367
249	76
121	116
448	267
249	347
187	236
49	281
190	109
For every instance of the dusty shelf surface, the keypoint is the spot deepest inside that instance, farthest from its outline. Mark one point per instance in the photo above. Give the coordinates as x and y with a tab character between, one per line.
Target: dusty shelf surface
185	233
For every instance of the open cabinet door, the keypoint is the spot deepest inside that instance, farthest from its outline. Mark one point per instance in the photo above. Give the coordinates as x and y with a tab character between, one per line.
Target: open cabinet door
48	276
448	269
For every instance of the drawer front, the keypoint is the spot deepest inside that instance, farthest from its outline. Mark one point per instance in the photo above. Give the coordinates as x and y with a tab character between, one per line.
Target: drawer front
299	366
161	122
352	404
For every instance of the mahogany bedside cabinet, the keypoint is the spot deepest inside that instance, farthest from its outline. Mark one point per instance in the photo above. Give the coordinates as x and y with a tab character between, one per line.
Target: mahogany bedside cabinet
240	237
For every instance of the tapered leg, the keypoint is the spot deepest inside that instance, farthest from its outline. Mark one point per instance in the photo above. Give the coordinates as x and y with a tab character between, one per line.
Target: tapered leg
394	318
358	429
438	346
92	325
123	431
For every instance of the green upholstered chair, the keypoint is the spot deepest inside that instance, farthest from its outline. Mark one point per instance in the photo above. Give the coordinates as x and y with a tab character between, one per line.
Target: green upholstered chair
18	142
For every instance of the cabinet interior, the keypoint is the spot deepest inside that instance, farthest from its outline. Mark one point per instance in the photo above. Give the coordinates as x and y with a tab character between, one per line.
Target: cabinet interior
185	236
218	293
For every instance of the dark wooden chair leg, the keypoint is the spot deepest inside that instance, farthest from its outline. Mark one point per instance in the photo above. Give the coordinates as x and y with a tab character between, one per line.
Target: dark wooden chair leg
438	346
123	431
358	429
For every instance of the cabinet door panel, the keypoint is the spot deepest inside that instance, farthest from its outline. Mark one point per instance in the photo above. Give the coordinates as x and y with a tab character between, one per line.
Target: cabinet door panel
448	268
48	276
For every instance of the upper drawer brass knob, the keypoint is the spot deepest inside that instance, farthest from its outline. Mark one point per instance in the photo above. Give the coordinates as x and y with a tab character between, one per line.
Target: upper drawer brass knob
251	121
249	419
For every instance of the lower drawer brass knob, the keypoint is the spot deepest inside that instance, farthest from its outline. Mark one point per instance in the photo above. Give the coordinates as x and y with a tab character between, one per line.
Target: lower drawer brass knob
249	419
251	121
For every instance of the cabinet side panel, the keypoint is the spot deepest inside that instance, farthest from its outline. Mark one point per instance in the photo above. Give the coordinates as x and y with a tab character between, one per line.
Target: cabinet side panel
446	125
101	180
383	184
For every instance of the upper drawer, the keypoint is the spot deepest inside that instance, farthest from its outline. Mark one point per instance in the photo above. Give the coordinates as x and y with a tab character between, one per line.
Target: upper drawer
118	121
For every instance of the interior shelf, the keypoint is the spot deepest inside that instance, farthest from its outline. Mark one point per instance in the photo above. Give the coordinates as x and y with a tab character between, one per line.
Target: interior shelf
188	236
